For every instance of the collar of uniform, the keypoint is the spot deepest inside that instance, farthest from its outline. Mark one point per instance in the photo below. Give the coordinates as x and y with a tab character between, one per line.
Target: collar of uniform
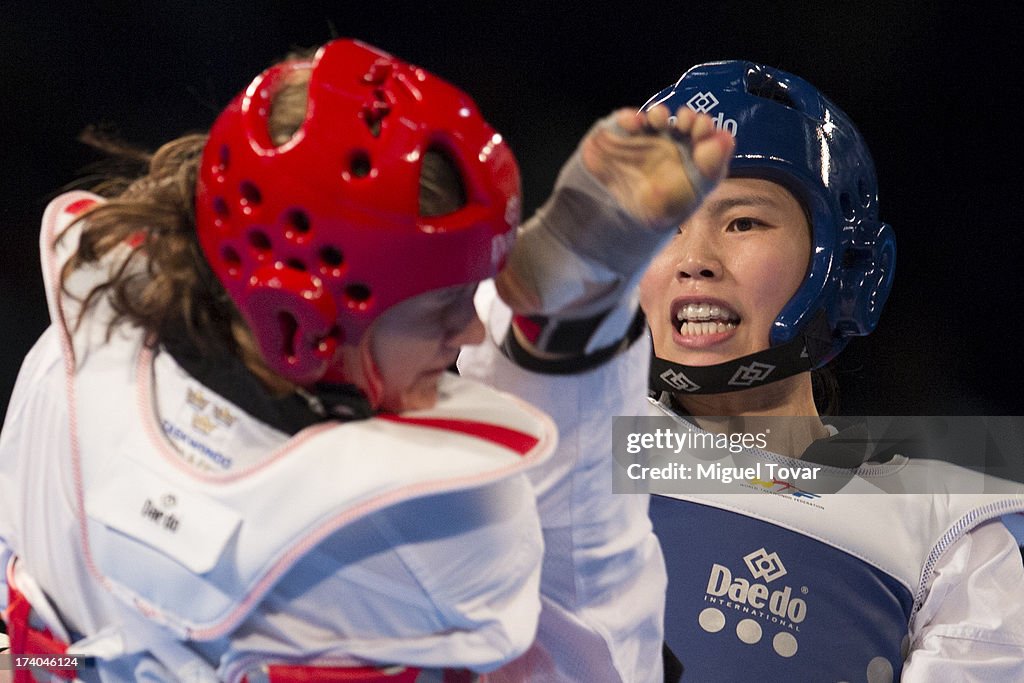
849	445
227	375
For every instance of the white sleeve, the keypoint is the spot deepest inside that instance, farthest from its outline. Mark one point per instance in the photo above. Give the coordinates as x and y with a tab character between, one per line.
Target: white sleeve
971	625
603	580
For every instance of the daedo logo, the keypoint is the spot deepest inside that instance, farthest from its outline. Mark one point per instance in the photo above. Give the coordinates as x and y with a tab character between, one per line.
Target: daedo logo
780	602
764	566
679	381
758	602
703	103
748	374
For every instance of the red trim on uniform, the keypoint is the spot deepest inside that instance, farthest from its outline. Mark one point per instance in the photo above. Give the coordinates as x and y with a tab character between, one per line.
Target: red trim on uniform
135	239
29	641
512	439
530	329
327	674
364	674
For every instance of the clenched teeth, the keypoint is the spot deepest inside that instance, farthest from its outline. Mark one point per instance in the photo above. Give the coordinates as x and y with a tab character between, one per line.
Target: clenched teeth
705	312
687	329
705	318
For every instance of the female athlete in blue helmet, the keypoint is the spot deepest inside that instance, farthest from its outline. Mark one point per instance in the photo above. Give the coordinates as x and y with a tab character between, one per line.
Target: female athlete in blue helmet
797	579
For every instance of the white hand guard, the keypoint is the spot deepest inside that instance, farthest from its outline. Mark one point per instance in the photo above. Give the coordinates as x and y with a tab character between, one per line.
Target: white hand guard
581	255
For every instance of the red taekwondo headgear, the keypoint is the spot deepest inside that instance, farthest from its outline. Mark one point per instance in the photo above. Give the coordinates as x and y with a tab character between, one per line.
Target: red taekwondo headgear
316	238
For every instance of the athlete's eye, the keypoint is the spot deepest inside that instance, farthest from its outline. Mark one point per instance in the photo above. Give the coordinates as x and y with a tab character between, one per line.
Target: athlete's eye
742	224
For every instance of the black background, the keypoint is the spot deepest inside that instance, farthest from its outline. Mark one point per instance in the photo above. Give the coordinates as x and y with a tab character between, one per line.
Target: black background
932	86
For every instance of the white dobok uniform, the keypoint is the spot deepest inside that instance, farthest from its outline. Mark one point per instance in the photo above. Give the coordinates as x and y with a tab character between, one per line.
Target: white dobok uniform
848	577
160	529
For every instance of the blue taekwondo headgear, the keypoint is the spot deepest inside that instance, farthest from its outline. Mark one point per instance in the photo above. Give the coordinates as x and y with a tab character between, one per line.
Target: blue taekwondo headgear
788	132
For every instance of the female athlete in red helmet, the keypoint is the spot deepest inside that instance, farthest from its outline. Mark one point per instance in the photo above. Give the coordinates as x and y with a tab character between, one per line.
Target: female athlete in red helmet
236	454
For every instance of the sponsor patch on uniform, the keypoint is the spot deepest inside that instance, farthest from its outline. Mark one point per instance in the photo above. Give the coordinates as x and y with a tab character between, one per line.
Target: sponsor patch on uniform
187	526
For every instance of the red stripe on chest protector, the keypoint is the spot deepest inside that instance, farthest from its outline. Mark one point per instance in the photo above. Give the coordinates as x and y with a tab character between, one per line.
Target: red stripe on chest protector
512	439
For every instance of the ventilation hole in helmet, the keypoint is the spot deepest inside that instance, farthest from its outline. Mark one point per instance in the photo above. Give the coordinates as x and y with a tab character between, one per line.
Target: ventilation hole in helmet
225	157
289	327
232	260
360	165
259	240
250	193
373	113
441	188
289	105
296	264
298	220
865	193
220	207
856	257
846	205
357	296
296	225
761	84
332	257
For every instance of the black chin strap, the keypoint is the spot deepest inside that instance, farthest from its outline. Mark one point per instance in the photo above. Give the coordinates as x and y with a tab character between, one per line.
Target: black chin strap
802	354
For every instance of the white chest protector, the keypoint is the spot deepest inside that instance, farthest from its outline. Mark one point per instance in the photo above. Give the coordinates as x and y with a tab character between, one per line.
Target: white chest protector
197	551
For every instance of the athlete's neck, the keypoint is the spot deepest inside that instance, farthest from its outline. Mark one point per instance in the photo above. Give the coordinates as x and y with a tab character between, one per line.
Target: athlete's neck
751	411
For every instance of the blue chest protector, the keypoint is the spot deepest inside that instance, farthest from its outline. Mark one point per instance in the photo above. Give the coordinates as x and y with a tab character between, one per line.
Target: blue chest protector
749	600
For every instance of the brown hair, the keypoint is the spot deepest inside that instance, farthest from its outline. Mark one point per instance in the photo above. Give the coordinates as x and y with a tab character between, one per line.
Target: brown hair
164	285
